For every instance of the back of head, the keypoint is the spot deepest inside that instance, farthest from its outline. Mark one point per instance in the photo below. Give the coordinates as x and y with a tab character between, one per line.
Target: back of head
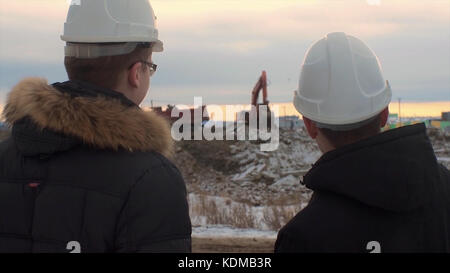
342	89
338	138
107	70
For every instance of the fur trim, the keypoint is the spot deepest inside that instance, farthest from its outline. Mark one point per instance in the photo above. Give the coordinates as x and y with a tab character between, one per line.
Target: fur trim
101	122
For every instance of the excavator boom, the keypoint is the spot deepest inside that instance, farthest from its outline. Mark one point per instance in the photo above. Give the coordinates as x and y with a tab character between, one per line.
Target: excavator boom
261	84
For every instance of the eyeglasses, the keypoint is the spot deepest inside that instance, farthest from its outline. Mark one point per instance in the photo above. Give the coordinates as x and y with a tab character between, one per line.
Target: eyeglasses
151	66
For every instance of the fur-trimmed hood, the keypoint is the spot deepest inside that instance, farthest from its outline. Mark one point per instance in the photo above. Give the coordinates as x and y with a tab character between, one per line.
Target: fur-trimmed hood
102	122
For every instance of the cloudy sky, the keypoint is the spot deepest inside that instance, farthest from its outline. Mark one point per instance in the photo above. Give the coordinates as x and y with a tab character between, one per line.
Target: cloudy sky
217	48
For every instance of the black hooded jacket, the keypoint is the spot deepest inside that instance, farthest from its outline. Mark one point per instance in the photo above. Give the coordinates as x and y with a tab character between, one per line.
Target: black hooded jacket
85	170
386	193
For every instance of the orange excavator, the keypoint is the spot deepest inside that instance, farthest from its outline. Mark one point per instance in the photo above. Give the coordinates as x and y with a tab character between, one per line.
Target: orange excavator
261	84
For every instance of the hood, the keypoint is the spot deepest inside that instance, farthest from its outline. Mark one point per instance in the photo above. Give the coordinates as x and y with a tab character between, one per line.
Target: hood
394	170
57	117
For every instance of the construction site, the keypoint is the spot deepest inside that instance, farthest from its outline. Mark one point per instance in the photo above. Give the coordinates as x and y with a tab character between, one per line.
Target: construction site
151	126
240	196
232	185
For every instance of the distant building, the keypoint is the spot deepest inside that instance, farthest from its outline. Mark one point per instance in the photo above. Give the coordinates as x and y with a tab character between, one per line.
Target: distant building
446	116
393	118
290	122
443	123
440	124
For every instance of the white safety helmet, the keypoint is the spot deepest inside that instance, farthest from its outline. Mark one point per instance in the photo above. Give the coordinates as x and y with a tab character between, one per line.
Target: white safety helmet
96	28
341	83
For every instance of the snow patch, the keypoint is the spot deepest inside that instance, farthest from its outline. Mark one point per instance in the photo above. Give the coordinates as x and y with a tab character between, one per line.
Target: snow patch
221	231
287	181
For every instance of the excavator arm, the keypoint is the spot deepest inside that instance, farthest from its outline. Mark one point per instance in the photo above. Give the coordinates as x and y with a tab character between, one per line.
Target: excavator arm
261	84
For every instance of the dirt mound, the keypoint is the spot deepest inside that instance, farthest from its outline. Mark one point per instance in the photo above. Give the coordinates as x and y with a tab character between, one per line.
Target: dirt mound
211	155
242	172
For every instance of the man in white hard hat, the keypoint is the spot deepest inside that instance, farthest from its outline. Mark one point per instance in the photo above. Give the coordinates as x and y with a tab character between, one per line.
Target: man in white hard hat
373	192
86	169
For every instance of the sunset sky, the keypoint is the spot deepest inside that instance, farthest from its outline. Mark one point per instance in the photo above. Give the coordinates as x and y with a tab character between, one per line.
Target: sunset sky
217	48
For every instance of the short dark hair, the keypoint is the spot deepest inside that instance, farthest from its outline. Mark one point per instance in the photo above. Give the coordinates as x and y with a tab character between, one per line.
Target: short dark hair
341	138
104	71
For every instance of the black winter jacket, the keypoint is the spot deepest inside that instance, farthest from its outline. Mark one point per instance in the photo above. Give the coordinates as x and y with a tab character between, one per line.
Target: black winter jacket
85	170
386	193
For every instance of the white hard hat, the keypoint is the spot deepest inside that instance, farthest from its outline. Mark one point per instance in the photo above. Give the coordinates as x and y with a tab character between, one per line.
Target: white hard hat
341	83
97	23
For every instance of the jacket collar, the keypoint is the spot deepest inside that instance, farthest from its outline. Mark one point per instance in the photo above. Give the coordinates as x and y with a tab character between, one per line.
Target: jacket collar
98	117
393	170
77	88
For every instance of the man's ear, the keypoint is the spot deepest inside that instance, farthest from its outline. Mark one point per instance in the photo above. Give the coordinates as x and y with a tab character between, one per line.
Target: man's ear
310	127
384	117
134	75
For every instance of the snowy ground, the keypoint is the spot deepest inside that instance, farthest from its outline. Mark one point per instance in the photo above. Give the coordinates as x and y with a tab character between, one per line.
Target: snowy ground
441	145
231	232
237	190
240	171
216	210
